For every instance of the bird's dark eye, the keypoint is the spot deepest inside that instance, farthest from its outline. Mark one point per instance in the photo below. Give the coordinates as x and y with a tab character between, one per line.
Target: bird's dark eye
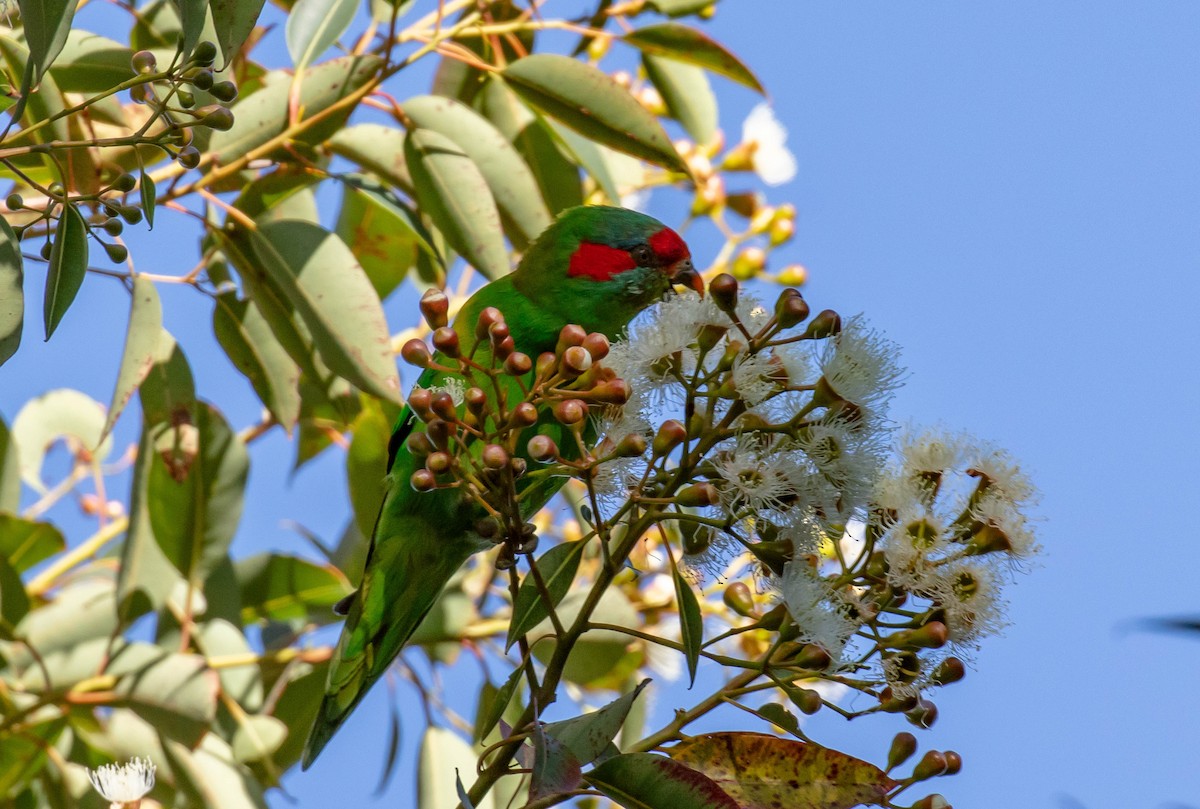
642	255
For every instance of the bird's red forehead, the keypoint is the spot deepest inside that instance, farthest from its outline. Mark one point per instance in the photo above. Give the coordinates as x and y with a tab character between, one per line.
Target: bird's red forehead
599	261
667	245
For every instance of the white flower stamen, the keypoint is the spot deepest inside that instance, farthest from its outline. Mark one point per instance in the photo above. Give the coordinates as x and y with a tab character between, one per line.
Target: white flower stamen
126	783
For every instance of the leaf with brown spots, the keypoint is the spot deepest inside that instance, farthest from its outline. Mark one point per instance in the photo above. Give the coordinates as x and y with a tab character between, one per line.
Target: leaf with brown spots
760	771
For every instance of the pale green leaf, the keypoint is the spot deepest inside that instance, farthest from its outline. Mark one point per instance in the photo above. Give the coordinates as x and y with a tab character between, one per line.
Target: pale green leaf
376	148
313	26
451	190
68	266
177	694
14	601
257	737
12	292
211	776
686	44
191	21
589	735
53	416
691	622
90	63
556	175
442	754
149	198
686	92
263	115
596	654
10	471
141	346
329	290
590	102
217	638
251	346
511	182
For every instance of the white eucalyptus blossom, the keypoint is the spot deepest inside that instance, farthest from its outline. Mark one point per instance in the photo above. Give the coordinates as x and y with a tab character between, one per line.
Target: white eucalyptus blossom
861	366
813	606
122	784
773	161
755	477
970	595
453	385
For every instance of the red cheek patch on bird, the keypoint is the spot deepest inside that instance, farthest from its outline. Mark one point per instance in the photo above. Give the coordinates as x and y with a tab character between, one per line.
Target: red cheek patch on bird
599	261
667	245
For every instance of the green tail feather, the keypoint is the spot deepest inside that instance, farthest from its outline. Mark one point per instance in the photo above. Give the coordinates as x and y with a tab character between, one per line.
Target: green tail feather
403	582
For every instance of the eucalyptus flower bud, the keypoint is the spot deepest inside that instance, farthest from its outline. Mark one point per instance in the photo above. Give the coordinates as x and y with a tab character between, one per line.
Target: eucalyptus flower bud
790	308
442	404
116	252
438	463
419	400
597	346
484	323
826	324
542	448
724	292
523	415
144	62
953	762
749	263
225	91
571	335
934	801
904	744
670	435
570	411
434	307
950	670
576	359
517	364
931	765
495	456
698	495
476	401
423	480
807	700
737	597
547	361
415	352
214	116
419	445
446	341
932	635
631	446
924	715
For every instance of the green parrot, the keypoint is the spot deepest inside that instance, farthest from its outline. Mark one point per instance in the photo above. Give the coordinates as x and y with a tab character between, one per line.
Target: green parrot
596	267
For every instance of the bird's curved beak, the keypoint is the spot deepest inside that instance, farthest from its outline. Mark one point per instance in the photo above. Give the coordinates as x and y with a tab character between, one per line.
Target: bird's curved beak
683	273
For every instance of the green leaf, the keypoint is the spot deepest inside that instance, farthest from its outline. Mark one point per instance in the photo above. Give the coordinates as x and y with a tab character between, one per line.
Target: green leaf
490	713
14	601
679	8
257	737
141	347
451	191
330	291
590	102
616	173
194	513
443	754
376	148
55	415
46	23
10	471
68	266
511	182
556	175
251	346
589	735
23	754
686	92
558	567
691	623
90	63
761	771
685	44
277	587
262	116
12	292
24	543
366	465
386	236
82	611
177	694
234	20
168	393
191	21
779	716
647	781
313	26
149	197
302	685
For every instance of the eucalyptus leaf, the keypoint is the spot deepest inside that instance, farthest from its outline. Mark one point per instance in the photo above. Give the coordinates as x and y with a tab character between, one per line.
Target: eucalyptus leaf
246	336
141	347
376	148
442	755
589	735
557	567
149	197
12	292
24	543
686	44
452	191
648	781
687	93
386	236
285	588
191	20
329	290
90	63
53	416
10	471
46	24
68	266
313	26
234	20
590	102
691	622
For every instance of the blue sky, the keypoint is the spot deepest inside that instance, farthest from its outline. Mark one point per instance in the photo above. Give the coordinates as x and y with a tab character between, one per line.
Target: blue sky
1011	191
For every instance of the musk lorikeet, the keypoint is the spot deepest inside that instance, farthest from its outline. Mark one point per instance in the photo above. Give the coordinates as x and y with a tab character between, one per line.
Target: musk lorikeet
596	267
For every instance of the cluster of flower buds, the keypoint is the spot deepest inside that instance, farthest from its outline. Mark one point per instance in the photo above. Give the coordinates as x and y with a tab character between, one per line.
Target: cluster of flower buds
495	410
175	96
